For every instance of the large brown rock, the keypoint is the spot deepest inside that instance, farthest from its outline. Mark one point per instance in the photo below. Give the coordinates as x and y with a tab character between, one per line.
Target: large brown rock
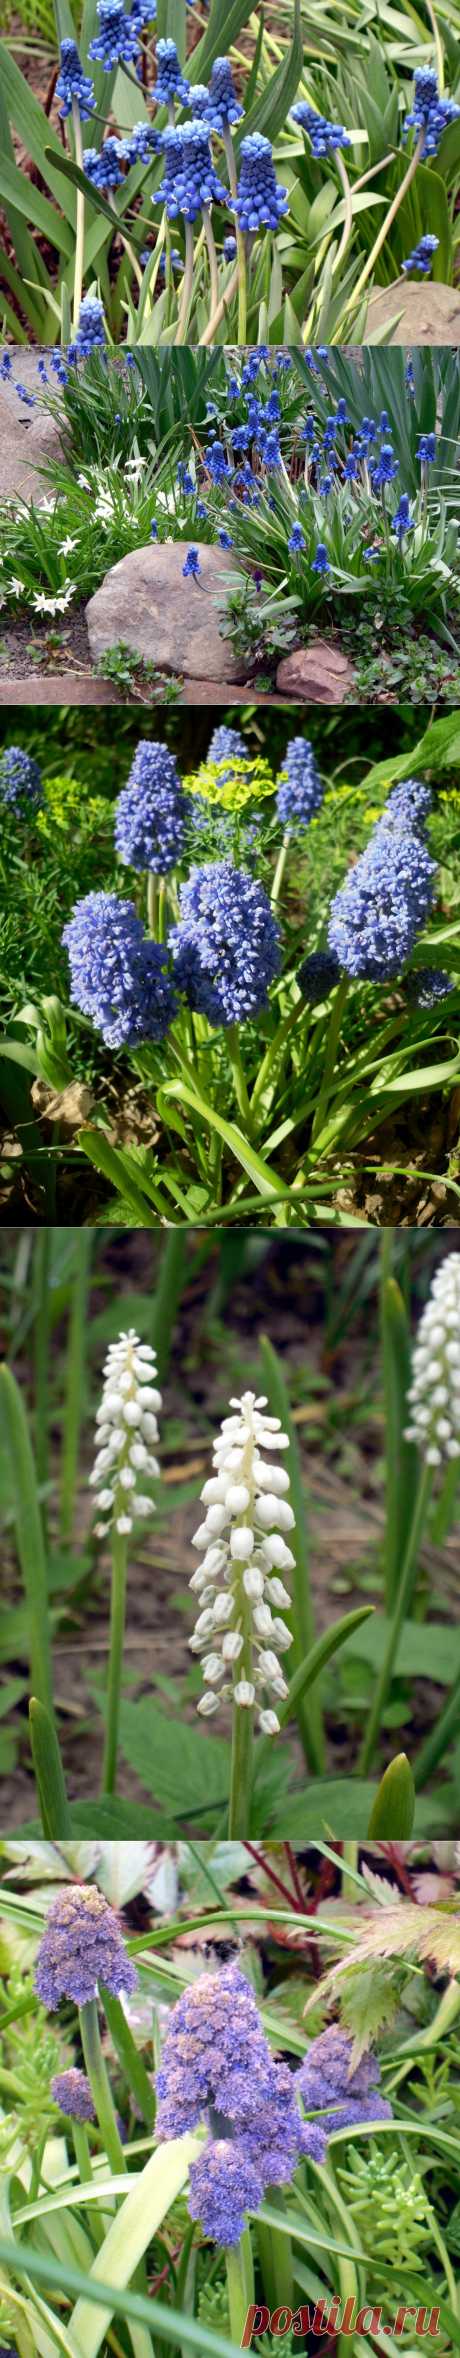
318	674
61	687
24	448
421	314
145	604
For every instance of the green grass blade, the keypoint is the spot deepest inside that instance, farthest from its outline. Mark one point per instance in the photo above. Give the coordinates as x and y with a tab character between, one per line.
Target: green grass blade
75	1375
392	1814
401	1460
302	1621
168	2325
168	1292
29	1535
49	1775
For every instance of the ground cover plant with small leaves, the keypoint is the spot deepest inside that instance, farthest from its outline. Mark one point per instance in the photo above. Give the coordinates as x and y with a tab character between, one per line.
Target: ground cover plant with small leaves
252	1636
181	194
295	2175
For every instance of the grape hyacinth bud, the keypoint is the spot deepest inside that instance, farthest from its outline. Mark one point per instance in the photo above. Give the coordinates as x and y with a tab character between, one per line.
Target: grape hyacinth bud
126	1429
151	811
90	336
20	780
300	792
422	256
379	911
118	976
71	2090
327	2082
117	41
73	85
244	1550
225	949
170	82
259	202
81	1947
223	105
323	136
434	1396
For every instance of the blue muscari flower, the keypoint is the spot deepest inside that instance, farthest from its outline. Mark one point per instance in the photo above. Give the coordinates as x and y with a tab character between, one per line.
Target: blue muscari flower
386	899
429	113
421	256
325	486
192	565
225	539
427	449
384	422
223	104
324	136
90	334
81	1946
154	529
117	40
283	362
225	948
320	562
327	2082
224	2185
341	413
296	540
300	792
308	431
23	395
410	802
216	461
71	2090
170	82
20	780
226	745
229	249
260	203
318	976
151	811
409	374
72	83
351	466
201	510
184	478
141	143
387	466
427	984
371	556
190	180
103	168
6	365
118	976
402	520
269	447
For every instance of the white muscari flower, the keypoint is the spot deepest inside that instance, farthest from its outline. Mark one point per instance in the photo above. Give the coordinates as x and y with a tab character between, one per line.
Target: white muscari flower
241	1542
125	1422
434	1396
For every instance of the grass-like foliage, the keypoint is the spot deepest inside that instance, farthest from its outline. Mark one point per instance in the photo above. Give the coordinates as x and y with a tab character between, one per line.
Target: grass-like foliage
146	202
138	2211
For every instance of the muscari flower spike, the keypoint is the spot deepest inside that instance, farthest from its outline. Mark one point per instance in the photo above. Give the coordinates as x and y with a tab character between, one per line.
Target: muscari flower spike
427	984
259	202
385	901
81	1948
244	1550
126	1429
328	2082
170	81
103	167
223	105
434	1395
73	85
430	112
90	336
323	136
20	780
320	562
71	2090
216	2062
300	792
117	40
151	811
118	976
190	180
410	802
318	976
422	256
226	745
226	947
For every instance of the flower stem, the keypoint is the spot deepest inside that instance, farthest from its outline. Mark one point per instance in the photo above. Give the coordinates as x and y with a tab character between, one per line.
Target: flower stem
237	2292
387	224
330	1057
222	307
187	286
278	879
117	1630
212	257
80	221
152	903
408	1571
239	1077
100	2087
241	244
348	222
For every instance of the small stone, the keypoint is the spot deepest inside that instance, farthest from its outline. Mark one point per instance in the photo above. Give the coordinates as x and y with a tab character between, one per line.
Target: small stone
145	604
319	674
420	314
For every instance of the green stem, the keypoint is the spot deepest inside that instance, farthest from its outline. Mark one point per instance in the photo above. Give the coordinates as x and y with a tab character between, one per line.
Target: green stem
275	2257
212	257
100	2088
387	224
239	1078
41	1354
408	1572
29	1536
241	245
152	903
223	305
279	871
49	1774
82	2152
330	1056
117	1631
443	1512
187	286
237	2292
80	220
75	1380
348	222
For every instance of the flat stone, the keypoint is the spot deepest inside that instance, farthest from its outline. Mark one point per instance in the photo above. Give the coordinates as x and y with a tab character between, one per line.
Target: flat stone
422	314
319	674
145	604
26	441
62	687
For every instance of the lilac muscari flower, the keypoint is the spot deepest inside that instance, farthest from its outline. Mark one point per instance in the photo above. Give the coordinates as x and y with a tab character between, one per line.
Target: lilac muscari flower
410	802
192	565
90	336
170	82
225	948
384	903
260	203
117	40
216	2062
151	811
324	136
118	976
226	745
71	2090
72	84
422	256
318	976
300	792
190	180
430	112
327	2082
20	780
81	1947
427	984
224	2185
320	563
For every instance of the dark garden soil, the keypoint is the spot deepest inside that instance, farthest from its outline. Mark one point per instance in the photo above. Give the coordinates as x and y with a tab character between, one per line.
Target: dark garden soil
340	1441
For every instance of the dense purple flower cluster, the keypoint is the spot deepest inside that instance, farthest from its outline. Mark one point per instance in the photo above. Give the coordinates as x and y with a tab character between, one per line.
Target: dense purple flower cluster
402	519
90	336
318	976
216	2061
223	106
190	180
226	745
20	780
328	2084
386	899
260	202
410	802
71	2090
117	40
81	1947
324	136
225	948
118	976
422	256
170	82
103	166
224	2184
152	810
427	984
300	792
430	112
72	83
